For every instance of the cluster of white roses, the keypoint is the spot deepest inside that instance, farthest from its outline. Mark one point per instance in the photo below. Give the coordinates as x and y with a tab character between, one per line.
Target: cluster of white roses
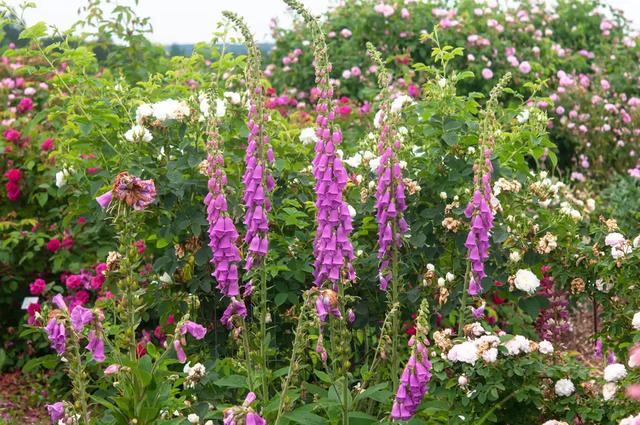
552	192
168	109
485	346
612	374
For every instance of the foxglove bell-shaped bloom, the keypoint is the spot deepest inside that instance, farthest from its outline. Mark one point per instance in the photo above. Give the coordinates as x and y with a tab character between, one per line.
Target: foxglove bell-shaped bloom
258	181
479	212
390	199
331	247
105	199
413	383
223	235
327	304
195	330
56	411
96	346
177	345
243	414
80	317
235	308
57	335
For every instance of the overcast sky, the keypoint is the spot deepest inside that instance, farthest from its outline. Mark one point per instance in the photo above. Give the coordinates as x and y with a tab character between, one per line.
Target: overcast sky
188	21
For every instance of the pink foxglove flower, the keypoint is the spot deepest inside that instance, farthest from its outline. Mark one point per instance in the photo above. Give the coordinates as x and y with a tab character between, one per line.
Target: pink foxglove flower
481	215
95	346
56	411
223	235
195	330
57	335
80	317
331	247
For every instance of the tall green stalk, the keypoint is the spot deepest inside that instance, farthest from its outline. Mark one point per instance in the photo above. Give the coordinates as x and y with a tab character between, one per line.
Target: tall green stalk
253	73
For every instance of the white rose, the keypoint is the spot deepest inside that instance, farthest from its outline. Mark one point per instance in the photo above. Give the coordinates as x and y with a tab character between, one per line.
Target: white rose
609	391
193	418
234	97
465	352
614	372
491	355
462	380
564	387
374	164
545	347
138	133
450	277
614	239
354	161
636	321
143	111
221	108
308	136
398	103
514	256
526	281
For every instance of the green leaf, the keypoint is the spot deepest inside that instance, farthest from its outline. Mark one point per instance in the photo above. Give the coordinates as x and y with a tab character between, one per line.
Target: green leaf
232	381
302	416
38	30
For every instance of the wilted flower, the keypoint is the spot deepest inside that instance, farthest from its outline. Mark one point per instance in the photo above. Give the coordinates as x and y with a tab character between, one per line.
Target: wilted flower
134	191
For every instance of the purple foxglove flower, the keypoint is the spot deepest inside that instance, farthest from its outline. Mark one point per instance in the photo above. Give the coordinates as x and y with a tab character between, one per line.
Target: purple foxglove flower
479	212
351	316
413	384
105	199
257	179
58	300
236	307
390	198
56	411
223	235
80	317
95	346
250	398
478	313
197	331
57	336
112	369
332	248
253	418
327	304
182	357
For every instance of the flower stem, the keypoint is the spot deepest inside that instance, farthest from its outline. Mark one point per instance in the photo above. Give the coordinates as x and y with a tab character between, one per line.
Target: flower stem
299	334
263	332
78	377
395	359
463	300
247	353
